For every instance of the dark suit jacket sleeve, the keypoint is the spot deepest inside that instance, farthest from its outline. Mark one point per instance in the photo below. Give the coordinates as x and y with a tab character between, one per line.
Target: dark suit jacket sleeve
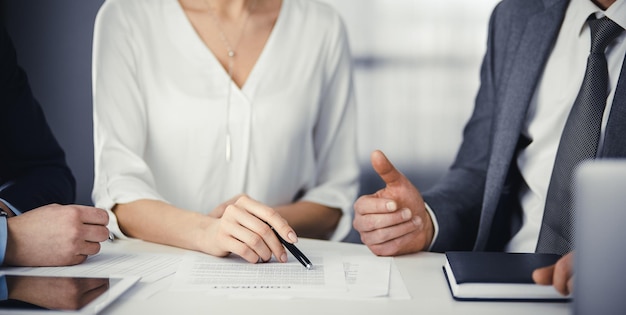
31	160
456	200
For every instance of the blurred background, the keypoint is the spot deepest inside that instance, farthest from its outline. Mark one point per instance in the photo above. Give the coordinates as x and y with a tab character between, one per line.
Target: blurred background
416	75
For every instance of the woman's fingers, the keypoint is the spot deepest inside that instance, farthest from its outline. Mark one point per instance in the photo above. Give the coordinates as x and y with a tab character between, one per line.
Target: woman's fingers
249	235
270	216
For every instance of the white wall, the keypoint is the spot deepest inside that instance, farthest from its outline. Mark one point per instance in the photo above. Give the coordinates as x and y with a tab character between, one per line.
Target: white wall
416	75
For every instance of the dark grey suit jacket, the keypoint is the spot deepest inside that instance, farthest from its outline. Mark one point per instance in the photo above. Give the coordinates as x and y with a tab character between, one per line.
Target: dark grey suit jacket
472	202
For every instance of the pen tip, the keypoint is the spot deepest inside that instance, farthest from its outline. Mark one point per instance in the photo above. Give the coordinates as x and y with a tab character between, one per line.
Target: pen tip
309	266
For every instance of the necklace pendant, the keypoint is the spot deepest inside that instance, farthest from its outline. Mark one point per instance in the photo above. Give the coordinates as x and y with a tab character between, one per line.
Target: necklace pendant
228	147
231	53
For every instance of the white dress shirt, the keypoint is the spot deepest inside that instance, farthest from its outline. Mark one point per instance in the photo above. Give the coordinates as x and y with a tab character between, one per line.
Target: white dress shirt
160	102
551	104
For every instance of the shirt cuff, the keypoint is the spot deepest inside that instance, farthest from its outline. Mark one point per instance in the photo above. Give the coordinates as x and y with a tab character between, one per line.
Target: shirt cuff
13	209
3	238
433	218
114	228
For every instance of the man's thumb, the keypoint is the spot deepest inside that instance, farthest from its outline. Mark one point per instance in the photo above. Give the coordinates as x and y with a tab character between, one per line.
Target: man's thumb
389	174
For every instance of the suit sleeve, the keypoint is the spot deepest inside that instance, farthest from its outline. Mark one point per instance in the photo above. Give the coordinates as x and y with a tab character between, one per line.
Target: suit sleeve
33	170
457	198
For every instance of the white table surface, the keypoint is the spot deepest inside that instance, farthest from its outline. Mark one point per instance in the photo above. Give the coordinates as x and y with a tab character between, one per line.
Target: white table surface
422	275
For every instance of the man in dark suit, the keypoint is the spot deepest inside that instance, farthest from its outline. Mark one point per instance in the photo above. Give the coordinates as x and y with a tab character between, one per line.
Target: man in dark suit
493	197
35	230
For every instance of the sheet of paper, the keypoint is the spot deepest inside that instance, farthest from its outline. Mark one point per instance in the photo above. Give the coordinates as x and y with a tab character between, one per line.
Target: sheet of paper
370	277
336	277
150	267
397	289
234	276
367	276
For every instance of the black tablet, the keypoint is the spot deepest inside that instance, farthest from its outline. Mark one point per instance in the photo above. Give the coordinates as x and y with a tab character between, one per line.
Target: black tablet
38	294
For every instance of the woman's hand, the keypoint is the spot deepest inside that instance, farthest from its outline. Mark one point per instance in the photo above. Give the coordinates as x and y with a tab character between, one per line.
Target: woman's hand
245	229
218	212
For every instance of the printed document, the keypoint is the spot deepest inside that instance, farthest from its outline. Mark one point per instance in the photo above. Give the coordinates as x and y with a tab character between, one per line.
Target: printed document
330	277
233	275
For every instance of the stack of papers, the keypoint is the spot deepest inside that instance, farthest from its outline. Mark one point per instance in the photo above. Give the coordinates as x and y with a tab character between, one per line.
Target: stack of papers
330	277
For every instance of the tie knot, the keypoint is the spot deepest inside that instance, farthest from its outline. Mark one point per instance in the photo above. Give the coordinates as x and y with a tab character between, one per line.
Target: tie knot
603	32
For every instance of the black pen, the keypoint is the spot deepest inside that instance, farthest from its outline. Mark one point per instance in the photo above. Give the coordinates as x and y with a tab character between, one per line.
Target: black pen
295	252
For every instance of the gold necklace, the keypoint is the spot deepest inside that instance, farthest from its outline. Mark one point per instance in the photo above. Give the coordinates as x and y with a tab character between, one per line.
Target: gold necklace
230	51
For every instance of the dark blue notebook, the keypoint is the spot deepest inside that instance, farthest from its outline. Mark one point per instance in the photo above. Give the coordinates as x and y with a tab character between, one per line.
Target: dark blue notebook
498	276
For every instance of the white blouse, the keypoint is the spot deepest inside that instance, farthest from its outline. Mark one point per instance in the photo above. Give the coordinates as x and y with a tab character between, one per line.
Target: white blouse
160	101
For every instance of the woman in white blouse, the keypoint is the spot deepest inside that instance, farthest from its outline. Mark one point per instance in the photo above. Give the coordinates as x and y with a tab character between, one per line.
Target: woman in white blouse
213	116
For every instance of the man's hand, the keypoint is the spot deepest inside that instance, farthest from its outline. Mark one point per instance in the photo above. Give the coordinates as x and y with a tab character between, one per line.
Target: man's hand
55	235
394	220
560	275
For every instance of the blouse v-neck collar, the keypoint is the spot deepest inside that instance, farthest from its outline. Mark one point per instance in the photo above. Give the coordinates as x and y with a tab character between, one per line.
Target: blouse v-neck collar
184	30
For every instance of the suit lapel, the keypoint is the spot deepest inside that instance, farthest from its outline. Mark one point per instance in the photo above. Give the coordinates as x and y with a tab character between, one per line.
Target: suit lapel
615	132
537	39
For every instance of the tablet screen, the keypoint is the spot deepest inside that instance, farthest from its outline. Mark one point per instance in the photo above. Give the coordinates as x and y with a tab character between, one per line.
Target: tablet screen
30	294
